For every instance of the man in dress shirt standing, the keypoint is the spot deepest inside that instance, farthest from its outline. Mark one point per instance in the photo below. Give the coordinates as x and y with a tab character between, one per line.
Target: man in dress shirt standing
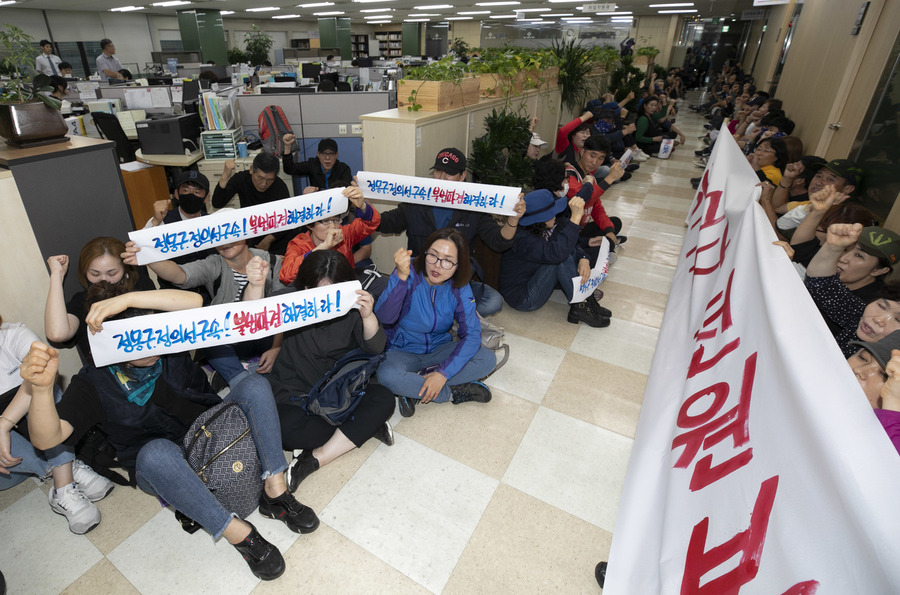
107	64
47	63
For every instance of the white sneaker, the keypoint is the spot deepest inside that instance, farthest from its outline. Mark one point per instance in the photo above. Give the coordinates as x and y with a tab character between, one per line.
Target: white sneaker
639	155
81	513
95	487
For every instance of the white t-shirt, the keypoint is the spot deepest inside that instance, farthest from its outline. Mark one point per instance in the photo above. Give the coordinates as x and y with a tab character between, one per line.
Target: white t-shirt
793	218
15	341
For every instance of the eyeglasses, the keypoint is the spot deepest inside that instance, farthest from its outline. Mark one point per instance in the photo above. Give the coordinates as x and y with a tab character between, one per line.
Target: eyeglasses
762	149
446	263
330	221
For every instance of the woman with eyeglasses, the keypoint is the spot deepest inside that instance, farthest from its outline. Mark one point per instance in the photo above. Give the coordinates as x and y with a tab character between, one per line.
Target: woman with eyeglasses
769	159
422	300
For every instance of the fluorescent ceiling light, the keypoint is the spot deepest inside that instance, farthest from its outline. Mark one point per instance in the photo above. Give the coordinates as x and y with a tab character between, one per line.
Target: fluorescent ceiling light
610	14
504	3
458	18
328	14
370	1
561	1
620	19
287	16
434	7
422	14
377	16
416	20
503	16
5	2
671	5
224	12
120	9
379	22
532	9
576	19
676	11
377	10
171	3
315	5
476	12
559	14
263	9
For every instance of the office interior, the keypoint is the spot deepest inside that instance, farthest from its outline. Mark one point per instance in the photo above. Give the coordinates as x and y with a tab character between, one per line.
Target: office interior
834	64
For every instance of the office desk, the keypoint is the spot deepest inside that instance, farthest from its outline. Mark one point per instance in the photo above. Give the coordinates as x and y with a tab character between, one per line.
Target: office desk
182	161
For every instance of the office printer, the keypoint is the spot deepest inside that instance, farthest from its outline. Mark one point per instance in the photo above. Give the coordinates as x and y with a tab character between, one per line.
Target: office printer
169	135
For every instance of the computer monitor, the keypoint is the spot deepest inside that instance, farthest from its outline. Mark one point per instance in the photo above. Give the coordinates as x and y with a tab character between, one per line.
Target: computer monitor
310	70
334	77
191	92
156	81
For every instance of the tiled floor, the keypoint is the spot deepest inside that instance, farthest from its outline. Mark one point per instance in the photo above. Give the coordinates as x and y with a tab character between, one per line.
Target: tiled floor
517	496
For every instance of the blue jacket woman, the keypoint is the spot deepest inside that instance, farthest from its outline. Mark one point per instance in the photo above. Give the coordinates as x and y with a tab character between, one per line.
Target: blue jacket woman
417	309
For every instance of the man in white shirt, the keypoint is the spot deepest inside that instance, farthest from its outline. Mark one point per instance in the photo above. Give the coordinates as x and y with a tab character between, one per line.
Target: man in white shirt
47	63
107	64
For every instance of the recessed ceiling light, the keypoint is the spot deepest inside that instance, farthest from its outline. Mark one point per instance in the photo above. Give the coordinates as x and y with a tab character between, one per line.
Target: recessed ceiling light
287	16
422	14
120	9
377	10
224	12
504	3
263	9
315	5
559	14
379	22
328	14
671	5
434	7
459	18
476	12
377	16
532	9
171	3
5	2
502	16
610	14
676	11
416	20
561	1
371	1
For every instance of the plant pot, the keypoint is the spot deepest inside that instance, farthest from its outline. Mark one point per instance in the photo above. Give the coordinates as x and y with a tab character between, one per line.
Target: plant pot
31	124
438	96
495	85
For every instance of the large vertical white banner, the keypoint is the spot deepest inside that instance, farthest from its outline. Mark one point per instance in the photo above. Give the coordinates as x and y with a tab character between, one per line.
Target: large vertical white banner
758	465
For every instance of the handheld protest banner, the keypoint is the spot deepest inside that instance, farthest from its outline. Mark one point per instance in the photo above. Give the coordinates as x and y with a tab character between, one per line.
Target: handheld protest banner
581	291
485	198
174	332
165	242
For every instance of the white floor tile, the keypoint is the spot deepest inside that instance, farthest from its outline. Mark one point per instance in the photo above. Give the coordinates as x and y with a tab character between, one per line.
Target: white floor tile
623	343
642	273
572	465
530	368
46	557
671	203
413	508
191	563
653	230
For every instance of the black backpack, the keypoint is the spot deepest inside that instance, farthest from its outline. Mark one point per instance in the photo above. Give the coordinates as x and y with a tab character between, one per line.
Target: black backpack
337	394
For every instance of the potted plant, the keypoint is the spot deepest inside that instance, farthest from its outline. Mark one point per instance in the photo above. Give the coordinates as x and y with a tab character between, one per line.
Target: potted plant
257	45
460	48
237	56
439	86
27	116
646	56
626	78
498	156
576	85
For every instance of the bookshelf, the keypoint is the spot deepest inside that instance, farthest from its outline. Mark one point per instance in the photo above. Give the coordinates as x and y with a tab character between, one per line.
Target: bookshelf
359	45
390	43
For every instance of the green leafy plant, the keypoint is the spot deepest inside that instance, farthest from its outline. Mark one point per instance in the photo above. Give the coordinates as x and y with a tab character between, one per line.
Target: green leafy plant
445	69
237	56
412	99
257	45
18	55
459	48
626	78
498	156
576	86
647	50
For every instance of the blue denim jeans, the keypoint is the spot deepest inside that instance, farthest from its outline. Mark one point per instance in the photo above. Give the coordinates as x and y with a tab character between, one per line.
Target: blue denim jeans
226	359
544	281
163	471
487	299
34	461
399	371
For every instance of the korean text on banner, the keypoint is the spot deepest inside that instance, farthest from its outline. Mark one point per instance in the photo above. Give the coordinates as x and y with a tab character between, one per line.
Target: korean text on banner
193	235
758	465
174	332
485	198
581	291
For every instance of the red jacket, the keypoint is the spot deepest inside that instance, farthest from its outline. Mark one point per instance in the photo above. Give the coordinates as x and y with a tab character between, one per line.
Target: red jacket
354	232
593	208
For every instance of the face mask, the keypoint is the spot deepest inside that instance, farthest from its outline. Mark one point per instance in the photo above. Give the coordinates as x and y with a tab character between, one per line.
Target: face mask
604	127
564	191
190	203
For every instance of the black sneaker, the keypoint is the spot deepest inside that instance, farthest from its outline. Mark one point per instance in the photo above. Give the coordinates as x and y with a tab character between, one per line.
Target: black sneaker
583	312
595	305
695	183
625	177
407	406
470	391
385	433
300	468
263	558
298	518
600	573
621	240
633	167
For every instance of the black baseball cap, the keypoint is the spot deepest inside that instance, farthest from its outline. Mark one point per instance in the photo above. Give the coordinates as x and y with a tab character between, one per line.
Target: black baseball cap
845	168
451	161
194	177
327	144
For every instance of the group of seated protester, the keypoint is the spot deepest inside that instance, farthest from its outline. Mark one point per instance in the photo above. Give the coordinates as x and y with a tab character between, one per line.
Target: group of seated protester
423	320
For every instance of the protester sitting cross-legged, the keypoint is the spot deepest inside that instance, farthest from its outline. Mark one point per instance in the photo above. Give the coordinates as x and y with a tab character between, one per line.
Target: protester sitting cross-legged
324	170
75	485
146	406
308	354
850	316
224	275
422	300
546	252
595	222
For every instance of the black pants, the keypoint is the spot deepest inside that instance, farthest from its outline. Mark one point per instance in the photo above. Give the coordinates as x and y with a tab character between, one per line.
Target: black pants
301	430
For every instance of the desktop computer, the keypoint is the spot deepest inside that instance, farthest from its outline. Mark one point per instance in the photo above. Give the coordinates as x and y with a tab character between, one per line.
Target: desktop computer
169	135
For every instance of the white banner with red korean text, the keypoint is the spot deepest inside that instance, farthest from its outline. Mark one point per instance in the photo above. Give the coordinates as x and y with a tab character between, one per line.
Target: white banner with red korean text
165	242
758	465
485	198
581	291
174	332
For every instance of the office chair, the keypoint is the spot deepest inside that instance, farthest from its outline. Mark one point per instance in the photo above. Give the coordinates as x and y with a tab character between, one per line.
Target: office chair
111	129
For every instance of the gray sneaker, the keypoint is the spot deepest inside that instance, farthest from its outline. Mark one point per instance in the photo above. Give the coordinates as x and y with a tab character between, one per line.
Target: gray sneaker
95	487
81	513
